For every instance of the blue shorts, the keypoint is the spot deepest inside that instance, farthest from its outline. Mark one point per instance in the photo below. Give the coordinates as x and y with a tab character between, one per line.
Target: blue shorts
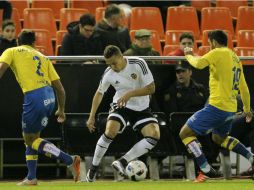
211	119
38	106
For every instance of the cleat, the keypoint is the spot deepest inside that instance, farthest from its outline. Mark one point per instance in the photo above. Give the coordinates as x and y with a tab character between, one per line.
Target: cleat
118	166
28	182
91	174
203	176
75	168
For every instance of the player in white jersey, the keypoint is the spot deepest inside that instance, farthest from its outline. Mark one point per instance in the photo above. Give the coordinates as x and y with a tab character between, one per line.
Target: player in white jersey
133	82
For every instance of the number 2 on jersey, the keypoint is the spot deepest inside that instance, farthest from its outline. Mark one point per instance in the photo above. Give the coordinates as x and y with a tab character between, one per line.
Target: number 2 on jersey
37	59
237	73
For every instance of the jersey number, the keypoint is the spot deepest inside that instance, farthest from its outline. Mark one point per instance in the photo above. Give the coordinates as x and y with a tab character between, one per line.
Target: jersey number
38	61
237	73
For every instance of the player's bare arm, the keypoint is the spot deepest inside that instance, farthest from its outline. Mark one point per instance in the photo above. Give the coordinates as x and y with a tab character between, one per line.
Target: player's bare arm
147	90
60	94
3	68
95	104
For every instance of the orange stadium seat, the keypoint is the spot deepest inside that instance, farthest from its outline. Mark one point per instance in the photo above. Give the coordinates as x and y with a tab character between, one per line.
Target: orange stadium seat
183	18
232	5
86	4
245	19
68	15
59	37
43	39
245	38
41	49
205	38
200	4
147	18
20	5
99	13
172	37
56	6
202	50
155	40
245	51
169	48
40	18
58	49
16	19
216	18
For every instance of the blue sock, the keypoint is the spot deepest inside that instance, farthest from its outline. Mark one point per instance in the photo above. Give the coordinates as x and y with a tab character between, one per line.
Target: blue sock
193	147
50	150
31	162
236	146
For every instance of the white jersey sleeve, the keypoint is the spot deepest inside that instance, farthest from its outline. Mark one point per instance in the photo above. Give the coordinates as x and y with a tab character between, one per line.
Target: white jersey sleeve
104	83
146	76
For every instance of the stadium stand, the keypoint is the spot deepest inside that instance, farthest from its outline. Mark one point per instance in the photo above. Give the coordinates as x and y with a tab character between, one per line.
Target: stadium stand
147	18
55	6
211	18
232	5
187	16
68	15
40	18
90	5
245	14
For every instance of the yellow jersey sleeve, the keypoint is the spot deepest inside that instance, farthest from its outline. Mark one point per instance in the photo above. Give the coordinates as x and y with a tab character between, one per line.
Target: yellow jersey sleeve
244	91
52	72
197	62
7	57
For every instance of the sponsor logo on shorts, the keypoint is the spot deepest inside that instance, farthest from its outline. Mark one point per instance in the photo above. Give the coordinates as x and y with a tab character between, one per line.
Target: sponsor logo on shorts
49	101
44	121
23	125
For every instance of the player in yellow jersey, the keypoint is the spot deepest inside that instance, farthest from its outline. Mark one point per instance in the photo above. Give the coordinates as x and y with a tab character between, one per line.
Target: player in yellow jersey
38	80
225	82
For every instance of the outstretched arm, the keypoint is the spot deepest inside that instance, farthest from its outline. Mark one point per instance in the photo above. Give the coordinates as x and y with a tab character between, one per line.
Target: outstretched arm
60	94
147	90
95	104
3	68
197	62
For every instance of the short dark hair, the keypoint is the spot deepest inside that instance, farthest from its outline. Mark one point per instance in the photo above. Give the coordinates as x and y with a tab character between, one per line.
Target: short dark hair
111	50
26	37
87	19
219	36
111	10
186	35
7	23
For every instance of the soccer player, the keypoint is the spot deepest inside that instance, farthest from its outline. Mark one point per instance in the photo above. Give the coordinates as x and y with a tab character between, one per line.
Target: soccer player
38	80
225	82
133	82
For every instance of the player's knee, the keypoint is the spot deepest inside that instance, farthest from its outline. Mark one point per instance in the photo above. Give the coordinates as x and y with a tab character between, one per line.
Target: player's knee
30	139
152	130
217	139
111	133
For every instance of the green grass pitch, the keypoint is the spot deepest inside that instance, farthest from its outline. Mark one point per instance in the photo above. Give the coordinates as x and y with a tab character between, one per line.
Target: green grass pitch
242	184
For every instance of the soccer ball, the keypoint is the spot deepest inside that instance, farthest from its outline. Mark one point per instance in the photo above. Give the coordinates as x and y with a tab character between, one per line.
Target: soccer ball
136	170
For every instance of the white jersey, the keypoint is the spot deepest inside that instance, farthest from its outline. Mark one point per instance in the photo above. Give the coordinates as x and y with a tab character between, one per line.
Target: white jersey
136	74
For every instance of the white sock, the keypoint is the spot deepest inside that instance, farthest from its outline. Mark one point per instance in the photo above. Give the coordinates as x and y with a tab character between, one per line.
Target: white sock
140	148
101	148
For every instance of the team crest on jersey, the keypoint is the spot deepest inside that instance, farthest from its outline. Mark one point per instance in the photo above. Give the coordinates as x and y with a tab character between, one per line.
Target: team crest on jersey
134	76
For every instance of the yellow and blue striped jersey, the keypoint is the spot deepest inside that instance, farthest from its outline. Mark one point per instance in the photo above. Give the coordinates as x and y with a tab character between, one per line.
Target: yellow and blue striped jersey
31	68
226	78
